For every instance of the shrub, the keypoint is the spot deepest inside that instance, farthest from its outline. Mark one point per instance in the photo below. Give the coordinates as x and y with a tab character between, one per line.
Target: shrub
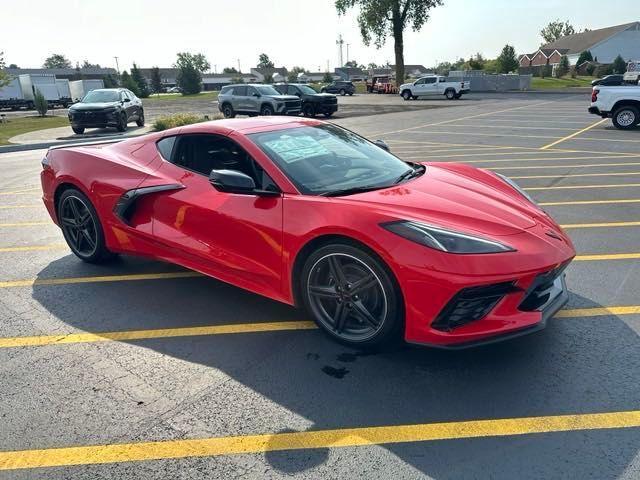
181	119
573	72
603	70
545	71
40	103
563	67
619	65
591	68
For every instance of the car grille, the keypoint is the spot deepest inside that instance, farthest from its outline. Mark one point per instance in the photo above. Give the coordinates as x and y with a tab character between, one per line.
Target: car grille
91	116
293	104
540	291
471	304
331	100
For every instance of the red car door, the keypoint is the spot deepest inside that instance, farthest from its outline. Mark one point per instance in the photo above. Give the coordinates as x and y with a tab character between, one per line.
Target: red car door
234	237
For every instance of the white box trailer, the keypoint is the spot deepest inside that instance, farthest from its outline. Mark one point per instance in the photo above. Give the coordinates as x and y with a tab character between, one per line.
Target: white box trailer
11	95
79	88
64	91
43	82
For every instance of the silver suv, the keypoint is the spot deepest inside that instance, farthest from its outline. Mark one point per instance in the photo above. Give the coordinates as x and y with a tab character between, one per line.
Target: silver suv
255	100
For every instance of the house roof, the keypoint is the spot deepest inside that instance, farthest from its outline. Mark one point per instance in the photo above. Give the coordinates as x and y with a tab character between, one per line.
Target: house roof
580	42
412	68
350	70
60	71
271	71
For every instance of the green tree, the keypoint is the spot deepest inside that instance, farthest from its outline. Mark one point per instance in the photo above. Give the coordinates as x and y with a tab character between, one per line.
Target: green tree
563	67
476	62
5	79
127	82
237	79
109	81
292	76
229	70
556	30
140	81
378	19
86	64
13	65
190	69
78	74
327	77
40	103
490	66
268	78
584	57
264	61
156	80
507	61
57	60
372	65
545	71
619	65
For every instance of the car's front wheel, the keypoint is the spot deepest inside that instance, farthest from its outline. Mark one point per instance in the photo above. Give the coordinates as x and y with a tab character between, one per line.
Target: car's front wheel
122	122
342	92
407	95
140	120
626	117
266	110
78	130
81	227
352	296
308	110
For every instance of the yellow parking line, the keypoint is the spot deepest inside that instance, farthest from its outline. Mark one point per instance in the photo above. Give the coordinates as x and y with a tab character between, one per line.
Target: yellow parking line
570	187
127	335
478	134
587	165
504	127
601	225
97	279
32	248
615	174
599	311
612	256
25	224
6	207
28	191
537	157
590	202
306	440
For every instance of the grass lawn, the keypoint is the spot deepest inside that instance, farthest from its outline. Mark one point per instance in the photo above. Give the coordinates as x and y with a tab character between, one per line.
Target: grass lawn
544	83
17	125
178	96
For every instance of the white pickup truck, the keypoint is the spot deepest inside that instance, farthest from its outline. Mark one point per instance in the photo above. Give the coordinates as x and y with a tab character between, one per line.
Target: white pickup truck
433	85
621	104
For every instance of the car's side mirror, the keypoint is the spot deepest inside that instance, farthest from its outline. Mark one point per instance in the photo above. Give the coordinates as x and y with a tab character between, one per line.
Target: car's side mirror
234	181
256	94
126	100
382	144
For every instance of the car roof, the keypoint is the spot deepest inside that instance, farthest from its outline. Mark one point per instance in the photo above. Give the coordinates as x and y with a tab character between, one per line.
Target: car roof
249	125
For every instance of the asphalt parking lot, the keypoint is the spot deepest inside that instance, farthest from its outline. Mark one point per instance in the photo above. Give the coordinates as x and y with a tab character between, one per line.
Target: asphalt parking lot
141	370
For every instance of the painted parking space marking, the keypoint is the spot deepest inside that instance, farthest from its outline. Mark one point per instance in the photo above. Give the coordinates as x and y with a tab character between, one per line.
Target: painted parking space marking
7	207
98	279
610	256
34	248
588	165
574	175
589	202
28	191
25	224
306	440
570	187
601	225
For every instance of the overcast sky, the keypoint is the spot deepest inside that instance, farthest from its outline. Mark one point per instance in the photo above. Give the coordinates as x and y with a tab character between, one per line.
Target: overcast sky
291	32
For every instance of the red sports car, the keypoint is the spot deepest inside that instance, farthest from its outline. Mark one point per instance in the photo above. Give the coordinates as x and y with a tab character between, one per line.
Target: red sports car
313	215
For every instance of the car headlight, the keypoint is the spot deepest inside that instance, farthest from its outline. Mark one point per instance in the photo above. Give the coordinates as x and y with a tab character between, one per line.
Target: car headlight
516	187
445	240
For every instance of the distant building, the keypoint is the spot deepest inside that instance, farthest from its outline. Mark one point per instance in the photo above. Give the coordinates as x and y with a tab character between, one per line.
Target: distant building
315	77
414	71
605	44
353	74
261	73
68	73
215	81
381	72
168	76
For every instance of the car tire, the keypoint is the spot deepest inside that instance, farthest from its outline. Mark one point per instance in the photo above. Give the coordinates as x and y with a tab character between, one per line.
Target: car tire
406	95
368	316
81	227
309	110
227	111
78	130
450	93
327	114
122	123
414	97
342	92
266	110
351	94
140	120
626	117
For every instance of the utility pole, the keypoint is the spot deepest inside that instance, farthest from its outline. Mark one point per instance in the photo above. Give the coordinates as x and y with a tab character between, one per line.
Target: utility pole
348	52
117	66
340	42
239	71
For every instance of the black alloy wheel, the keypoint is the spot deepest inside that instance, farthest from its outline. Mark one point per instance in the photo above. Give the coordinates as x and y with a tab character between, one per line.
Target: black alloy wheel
81	227
266	110
140	120
122	122
309	110
351	296
227	111
343	92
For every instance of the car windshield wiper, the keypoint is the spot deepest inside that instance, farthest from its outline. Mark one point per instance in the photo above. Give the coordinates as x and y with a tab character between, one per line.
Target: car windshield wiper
350	191
415	170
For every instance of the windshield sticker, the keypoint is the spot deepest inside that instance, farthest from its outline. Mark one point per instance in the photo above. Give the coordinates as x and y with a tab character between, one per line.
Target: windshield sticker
291	149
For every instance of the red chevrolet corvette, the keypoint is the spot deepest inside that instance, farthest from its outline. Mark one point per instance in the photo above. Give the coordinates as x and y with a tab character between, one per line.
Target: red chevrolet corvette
311	214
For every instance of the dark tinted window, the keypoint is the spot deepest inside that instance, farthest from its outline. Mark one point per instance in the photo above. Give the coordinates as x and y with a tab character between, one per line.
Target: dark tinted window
240	90
203	153
292	90
226	90
281	88
165	147
442	80
430	80
251	91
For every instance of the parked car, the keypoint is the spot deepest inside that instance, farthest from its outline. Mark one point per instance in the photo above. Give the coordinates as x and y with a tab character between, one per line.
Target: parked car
632	75
313	103
340	87
255	100
106	107
621	104
174	90
434	85
308	213
609	80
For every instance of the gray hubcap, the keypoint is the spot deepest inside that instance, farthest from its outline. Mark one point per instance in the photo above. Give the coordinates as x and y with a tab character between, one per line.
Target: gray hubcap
626	118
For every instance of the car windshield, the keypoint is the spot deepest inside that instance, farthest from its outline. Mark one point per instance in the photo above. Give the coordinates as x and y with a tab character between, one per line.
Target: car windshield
101	96
267	90
307	90
326	159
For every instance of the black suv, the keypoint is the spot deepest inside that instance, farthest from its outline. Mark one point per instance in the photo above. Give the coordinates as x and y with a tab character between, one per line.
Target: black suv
341	87
106	107
313	102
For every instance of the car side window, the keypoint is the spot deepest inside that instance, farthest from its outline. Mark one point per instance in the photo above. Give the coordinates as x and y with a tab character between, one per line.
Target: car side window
442	80
123	95
202	153
251	91
291	90
430	80
420	81
281	88
165	147
240	90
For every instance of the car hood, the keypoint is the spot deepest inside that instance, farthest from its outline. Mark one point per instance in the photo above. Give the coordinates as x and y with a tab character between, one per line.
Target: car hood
94	106
406	85
284	97
458	197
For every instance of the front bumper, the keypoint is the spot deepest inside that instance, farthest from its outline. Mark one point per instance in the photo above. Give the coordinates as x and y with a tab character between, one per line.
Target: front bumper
93	119
327	108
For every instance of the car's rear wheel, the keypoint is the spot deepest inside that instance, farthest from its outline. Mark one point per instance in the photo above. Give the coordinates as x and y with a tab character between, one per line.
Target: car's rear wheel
352	296
122	122
450	93
266	110
308	110
342	92
227	111
327	114
626	117
140	120
81	227
78	130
